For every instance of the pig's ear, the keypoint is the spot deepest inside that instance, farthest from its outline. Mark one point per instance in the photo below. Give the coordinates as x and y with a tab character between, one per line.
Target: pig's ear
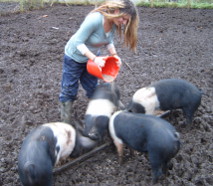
121	105
129	106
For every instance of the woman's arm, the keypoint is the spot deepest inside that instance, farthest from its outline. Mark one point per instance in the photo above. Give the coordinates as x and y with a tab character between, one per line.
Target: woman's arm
111	49
85	51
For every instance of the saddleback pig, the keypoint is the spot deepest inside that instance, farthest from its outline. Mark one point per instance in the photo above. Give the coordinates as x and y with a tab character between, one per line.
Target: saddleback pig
167	94
145	133
105	101
44	147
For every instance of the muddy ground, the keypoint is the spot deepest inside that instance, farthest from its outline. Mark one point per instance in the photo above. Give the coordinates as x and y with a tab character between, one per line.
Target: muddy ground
173	43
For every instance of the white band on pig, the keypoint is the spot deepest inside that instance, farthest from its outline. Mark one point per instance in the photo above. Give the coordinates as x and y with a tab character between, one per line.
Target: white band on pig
66	136
147	97
112	128
82	48
99	107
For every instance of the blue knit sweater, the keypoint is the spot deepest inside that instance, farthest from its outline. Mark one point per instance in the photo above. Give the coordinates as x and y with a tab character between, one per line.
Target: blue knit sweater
92	34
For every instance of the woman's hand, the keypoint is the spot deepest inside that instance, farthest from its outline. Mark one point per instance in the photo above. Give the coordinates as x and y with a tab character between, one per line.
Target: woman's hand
99	61
118	60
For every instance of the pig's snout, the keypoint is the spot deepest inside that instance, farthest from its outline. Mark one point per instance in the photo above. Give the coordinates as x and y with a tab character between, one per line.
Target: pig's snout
94	134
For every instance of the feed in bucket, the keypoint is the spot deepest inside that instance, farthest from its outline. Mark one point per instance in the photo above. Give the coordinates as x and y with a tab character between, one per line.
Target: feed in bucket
108	72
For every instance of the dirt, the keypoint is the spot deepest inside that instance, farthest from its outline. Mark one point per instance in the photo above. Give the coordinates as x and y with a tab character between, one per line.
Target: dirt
173	43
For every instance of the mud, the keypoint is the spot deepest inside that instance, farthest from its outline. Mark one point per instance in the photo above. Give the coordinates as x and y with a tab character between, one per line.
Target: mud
173	43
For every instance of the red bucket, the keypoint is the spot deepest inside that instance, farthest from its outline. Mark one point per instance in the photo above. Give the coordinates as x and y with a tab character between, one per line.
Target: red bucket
108	72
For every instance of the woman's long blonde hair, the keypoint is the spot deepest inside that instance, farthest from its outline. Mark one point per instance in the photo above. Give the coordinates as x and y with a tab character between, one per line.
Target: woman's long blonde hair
126	7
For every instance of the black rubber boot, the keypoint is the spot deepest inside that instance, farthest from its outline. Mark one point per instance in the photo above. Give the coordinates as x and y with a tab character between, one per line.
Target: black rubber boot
66	110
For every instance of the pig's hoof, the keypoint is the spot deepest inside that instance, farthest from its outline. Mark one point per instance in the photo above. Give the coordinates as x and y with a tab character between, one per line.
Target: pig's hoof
183	125
170	165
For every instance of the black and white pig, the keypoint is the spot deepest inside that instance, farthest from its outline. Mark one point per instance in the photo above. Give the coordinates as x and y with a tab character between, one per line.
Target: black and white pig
167	94
145	133
105	101
44	147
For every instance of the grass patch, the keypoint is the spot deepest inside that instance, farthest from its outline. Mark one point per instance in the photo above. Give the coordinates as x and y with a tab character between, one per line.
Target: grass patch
25	5
177	5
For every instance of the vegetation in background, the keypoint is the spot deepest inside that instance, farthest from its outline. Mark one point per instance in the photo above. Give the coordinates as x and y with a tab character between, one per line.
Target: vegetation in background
200	4
31	4
36	4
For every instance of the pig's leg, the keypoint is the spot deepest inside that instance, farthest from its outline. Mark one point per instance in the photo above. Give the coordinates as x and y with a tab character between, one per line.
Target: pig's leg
132	152
167	165
164	167
188	113
119	147
156	164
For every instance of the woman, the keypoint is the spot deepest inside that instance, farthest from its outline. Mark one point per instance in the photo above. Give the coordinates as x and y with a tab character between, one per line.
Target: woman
96	31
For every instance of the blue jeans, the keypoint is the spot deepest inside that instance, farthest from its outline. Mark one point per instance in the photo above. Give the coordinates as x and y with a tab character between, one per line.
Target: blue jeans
73	72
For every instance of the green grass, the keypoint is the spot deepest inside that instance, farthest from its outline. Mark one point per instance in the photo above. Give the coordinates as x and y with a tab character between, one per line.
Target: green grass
197	4
3	1
207	4
182	4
